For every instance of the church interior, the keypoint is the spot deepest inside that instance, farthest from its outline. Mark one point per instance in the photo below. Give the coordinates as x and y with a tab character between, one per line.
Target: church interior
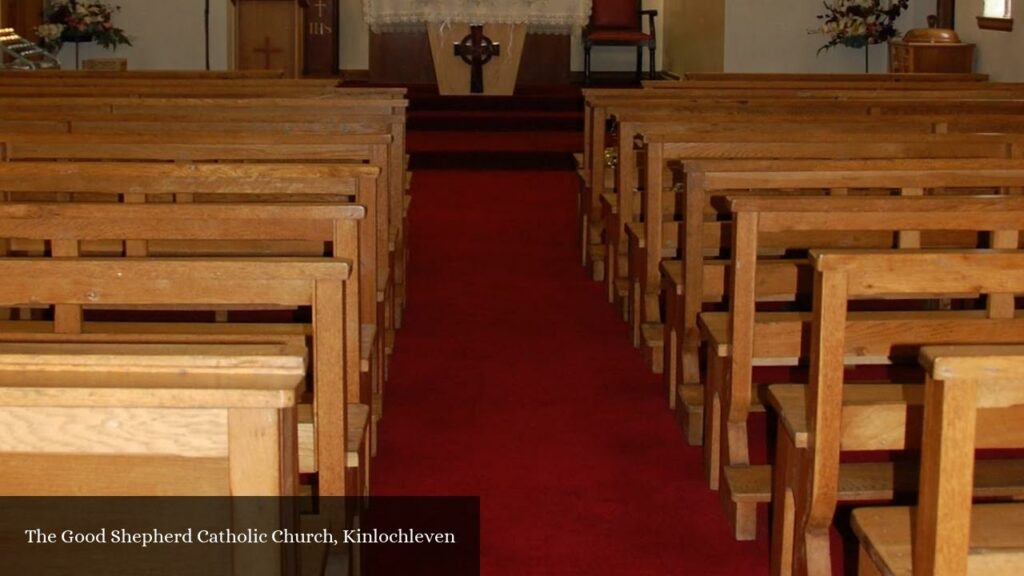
511	287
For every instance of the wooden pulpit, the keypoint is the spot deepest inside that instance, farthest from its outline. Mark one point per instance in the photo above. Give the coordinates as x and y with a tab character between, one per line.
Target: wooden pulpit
297	36
268	35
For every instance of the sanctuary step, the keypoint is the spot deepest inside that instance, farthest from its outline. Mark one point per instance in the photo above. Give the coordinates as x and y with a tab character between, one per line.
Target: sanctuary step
537	129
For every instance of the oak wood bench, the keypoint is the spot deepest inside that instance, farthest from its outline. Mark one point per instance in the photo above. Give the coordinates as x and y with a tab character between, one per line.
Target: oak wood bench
946	534
318	283
742	337
168	420
685	283
819	421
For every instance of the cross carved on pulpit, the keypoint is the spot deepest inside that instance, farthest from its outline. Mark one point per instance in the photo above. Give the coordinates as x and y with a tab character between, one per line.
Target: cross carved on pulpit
267	51
476	50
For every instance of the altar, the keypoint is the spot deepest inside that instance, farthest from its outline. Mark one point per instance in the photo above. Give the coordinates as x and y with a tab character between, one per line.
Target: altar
477	45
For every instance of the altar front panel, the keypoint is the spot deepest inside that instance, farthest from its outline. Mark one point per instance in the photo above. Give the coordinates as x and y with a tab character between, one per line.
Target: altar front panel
556	16
499	76
405	58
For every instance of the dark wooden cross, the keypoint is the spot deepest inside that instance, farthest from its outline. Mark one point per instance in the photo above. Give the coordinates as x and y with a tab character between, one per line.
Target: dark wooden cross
477	50
267	51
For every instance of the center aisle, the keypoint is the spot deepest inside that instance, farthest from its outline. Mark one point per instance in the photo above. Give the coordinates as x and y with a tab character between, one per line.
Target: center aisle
513	380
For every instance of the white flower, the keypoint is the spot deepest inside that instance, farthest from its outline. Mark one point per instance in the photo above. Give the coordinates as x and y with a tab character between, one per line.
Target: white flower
50	32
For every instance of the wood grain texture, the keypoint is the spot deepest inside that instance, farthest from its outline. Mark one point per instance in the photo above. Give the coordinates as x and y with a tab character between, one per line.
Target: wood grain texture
40	430
111	475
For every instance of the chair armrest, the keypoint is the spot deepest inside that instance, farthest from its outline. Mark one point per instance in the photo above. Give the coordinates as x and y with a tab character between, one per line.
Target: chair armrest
650	17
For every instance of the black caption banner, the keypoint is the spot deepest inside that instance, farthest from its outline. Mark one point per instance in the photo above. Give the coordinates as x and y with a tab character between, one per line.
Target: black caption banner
378	536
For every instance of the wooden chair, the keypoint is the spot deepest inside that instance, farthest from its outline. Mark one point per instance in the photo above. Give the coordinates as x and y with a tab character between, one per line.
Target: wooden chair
952	536
620	23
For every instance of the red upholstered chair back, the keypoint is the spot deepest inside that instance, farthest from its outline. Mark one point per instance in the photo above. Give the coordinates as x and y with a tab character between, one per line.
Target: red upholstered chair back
615	14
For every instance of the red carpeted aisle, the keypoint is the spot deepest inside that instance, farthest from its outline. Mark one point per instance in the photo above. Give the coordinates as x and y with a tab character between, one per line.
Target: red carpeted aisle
513	380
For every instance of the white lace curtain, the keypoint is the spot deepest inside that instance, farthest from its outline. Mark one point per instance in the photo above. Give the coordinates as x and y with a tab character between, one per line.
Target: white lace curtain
550	16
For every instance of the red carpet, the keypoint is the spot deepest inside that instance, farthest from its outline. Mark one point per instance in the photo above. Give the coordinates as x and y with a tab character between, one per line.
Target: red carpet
514	381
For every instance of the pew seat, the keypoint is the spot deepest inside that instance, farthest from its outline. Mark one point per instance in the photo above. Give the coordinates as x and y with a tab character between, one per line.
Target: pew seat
996	546
356	439
945	534
866	410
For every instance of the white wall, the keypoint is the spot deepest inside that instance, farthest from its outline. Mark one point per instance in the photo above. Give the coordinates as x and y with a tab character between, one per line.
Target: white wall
165	35
168	34
355	37
772	36
997	54
694	39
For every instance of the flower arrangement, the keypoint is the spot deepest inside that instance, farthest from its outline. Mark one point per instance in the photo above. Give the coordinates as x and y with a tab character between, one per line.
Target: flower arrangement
80	21
860	23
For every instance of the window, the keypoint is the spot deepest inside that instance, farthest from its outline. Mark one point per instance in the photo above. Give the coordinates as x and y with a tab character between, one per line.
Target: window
996	15
997	9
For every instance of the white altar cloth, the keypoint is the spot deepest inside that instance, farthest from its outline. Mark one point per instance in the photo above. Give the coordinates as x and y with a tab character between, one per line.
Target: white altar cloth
545	16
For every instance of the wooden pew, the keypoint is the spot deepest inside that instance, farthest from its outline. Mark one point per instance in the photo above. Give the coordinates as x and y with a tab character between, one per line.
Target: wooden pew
50	394
873	99
644	275
598	100
220	334
209	148
656	128
687	288
742	337
318	283
168	420
591	172
200	184
826	81
659	136
818	421
788	76
367	111
145	74
946	535
223	230
195	89
668	147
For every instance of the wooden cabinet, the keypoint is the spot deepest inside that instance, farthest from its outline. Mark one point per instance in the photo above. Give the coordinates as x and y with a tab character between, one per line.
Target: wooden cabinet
927	57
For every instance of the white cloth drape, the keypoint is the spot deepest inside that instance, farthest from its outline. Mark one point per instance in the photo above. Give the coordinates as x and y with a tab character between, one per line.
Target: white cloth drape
549	16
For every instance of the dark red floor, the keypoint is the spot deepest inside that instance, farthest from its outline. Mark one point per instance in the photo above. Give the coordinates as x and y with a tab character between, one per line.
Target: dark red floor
513	380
